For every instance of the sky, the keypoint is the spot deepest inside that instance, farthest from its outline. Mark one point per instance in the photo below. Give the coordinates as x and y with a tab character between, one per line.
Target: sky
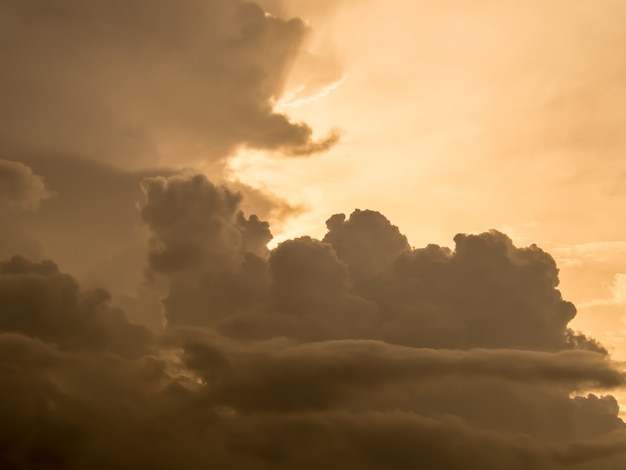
308	233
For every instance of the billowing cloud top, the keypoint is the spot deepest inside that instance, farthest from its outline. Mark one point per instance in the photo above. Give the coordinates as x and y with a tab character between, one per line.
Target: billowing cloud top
355	351
20	189
140	81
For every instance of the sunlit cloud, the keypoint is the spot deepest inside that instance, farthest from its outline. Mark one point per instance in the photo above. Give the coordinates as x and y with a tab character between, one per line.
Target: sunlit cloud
292	98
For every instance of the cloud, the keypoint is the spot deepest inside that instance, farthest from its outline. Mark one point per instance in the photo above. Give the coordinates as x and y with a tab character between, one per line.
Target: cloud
330	374
355	351
137	82
83	203
89	230
22	193
441	298
317	70
367	242
20	189
211	254
362	281
39	301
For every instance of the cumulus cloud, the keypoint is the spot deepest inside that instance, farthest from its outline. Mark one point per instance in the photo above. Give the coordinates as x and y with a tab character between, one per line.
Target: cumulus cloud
20	189
363	280
355	351
39	301
22	193
211	254
134	82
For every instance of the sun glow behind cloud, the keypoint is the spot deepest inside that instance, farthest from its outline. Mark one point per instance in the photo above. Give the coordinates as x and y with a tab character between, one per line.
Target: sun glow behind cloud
293	98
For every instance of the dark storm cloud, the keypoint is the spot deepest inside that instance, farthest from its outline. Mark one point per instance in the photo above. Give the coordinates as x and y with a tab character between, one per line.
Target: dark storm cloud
357	351
130	82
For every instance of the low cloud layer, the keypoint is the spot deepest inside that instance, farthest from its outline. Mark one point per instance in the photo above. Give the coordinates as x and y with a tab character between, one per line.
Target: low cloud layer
355	351
139	82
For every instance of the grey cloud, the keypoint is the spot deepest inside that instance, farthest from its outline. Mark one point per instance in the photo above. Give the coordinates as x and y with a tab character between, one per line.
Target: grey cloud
39	301
329	374
210	253
84	203
97	412
193	222
58	407
440	298
385	440
356	351
363	280
87	228
135	82
367	242
596	451
306	274
14	240
310	291
20	188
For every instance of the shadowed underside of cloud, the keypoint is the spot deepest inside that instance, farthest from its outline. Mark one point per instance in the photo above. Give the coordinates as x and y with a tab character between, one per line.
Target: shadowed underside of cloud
142	81
355	351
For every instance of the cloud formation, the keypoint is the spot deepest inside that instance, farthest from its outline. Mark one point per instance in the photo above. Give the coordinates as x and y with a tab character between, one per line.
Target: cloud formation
22	192
39	301
136	82
355	351
211	254
20	188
